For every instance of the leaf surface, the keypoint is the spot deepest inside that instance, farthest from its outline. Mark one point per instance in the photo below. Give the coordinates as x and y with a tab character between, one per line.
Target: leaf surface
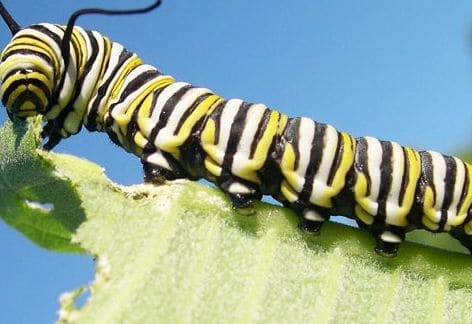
179	253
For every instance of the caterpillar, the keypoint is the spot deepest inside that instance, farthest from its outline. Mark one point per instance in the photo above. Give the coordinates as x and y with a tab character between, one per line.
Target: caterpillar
75	77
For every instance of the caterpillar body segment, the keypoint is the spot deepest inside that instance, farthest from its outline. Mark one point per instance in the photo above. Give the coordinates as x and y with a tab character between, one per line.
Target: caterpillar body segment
248	150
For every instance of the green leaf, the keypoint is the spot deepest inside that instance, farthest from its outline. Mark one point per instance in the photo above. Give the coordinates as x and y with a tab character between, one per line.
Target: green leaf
34	197
179	252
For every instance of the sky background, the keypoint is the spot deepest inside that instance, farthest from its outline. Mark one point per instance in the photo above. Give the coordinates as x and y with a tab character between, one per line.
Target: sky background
396	70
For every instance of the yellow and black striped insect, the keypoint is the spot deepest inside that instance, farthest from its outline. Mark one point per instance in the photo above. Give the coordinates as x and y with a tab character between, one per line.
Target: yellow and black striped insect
76	77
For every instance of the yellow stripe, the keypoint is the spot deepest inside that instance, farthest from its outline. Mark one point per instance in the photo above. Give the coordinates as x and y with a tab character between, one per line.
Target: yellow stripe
79	42
140	140
282	123
40	64
122	120
249	171
339	180
106	57
287	165
131	64
173	144
27	42
212	167
467	202
208	140
414	172
363	216
429	217
14	94
288	192
360	193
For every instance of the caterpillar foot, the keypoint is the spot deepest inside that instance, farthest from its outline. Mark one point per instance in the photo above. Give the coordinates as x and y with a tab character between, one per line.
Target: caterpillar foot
388	243
156	175
240	194
387	250
310	226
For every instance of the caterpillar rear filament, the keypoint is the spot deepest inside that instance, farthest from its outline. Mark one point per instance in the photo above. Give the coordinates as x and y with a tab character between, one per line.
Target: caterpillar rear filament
75	77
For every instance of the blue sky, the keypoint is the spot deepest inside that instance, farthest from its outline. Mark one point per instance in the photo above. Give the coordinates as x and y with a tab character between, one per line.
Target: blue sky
397	70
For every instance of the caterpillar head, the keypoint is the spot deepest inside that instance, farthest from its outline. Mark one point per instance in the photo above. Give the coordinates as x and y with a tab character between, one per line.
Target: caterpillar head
27	76
32	65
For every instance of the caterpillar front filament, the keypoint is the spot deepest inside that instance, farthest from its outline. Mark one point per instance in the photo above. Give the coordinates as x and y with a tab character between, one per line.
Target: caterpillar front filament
75	77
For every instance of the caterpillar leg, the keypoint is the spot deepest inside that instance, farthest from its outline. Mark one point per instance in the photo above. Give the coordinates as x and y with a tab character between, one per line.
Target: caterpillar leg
159	167
241	194
155	174
388	240
310	218
51	132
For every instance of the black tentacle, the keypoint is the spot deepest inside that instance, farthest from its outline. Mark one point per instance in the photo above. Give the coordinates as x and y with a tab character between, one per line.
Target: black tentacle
11	23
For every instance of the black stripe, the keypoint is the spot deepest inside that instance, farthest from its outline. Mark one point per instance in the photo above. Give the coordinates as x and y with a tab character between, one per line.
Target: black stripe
237	128
405	176
316	154
261	129
134	86
22	40
361	160
26	96
290	135
427	173
216	117
55	37
166	112
78	54
91	123
386	169
449	183
15	84
465	186
88	65
78	85
25	51
190	110
132	127
336	159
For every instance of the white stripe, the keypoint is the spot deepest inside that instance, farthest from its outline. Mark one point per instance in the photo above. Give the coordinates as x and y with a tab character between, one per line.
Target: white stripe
374	161
45	38
163	97
457	193
158	159
253	118
122	107
305	138
115	52
439	174
398	172
90	82
330	142
167	132
230	110
328	152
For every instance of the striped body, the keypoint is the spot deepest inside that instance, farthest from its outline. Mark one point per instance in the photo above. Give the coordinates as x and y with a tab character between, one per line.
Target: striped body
182	131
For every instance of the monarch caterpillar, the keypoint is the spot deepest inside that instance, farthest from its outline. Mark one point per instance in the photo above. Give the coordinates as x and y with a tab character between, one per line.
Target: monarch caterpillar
76	77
